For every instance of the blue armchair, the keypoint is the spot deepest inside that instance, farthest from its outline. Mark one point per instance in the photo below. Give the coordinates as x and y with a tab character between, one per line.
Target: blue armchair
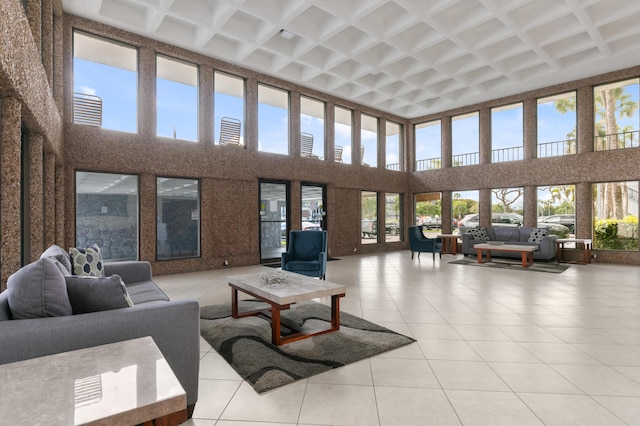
307	253
421	244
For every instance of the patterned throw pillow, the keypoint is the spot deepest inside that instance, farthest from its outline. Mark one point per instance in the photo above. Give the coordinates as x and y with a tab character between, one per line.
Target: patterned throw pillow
479	234
87	261
537	234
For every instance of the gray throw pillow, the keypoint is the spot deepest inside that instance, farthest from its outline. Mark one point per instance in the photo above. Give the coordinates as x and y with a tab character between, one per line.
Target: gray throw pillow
38	290
93	294
61	256
87	261
479	234
537	235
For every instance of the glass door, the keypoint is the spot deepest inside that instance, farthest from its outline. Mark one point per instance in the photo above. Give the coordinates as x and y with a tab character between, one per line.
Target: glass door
274	220
313	210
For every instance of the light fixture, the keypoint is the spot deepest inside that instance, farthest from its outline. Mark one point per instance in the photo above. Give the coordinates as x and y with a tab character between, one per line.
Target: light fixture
286	34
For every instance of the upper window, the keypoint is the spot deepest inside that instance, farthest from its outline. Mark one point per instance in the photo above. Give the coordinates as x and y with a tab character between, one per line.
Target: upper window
507	131
228	108
617	122
176	99
343	134
178	233
311	128
273	120
369	141
393	146
107	214
465	140
557	125
105	83
428	140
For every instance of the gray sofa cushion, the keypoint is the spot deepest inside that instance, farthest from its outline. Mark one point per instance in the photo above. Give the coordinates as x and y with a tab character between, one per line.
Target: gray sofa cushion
61	256
508	235
93	294
38	290
146	291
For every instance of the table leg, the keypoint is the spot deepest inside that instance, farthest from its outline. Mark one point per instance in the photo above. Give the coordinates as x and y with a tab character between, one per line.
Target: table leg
335	312
275	325
527	259
234	302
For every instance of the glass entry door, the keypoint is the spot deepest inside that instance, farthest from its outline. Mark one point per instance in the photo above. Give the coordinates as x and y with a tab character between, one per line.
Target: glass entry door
274	220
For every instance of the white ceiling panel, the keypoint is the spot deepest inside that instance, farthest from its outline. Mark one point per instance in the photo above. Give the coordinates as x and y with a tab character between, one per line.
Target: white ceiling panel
406	57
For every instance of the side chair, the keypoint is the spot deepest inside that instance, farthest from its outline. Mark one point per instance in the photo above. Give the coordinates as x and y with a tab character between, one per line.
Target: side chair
421	244
307	253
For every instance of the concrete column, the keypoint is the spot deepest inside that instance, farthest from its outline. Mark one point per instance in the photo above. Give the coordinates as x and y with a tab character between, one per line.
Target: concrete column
65	190
446	212
205	115
36	197
49	189
34	14
356	139
485	136
330	132
485	206
147	228
447	148
10	182
584	205
251	108
530	125
58	55
294	124
530	205
147	92
584	98
382	143
47	38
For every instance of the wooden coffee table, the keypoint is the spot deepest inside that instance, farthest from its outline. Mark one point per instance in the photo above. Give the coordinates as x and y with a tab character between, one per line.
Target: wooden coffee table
526	251
296	288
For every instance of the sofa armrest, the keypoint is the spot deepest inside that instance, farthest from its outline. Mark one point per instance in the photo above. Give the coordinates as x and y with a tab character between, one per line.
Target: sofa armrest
174	326
467	246
130	271
548	246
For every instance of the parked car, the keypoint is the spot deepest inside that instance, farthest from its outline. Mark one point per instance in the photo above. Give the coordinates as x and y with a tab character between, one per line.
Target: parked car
436	223
310	226
568	220
509	220
369	228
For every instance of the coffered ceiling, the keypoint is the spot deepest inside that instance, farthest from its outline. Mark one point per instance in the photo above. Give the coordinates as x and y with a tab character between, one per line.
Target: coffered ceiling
407	57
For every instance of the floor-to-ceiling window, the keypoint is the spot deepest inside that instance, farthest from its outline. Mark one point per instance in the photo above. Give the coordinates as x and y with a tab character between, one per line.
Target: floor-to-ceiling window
557	125
312	209
507	133
343	135
273	120
393	146
369	141
107	213
465	140
428	145
465	208
617	119
178	218
228	109
557	208
369	215
274	219
105	83
176	99
312	113
394	224
615	215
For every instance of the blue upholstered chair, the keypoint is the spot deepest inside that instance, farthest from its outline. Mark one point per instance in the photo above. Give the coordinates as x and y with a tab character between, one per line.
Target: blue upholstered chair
307	253
421	244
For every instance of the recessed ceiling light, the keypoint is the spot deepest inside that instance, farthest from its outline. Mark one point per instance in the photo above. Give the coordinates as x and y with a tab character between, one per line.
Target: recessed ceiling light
286	34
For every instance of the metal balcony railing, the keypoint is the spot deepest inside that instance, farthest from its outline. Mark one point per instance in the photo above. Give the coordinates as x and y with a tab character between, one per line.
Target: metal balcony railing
87	109
557	148
617	141
428	164
507	154
469	159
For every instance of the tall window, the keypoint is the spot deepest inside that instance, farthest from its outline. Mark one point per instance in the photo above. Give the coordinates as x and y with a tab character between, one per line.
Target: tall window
557	125
465	208
273	120
105	83
428	141
393	146
393	217
369	141
107	214
343	134
176	99
428	209
312	114
507	200
557	208
617	121
465	139
228	103
507	133
178	224
369	209
615	216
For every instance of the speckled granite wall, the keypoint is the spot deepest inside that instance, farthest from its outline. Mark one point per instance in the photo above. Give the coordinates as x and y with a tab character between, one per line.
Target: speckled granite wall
10	135
36	213
49	199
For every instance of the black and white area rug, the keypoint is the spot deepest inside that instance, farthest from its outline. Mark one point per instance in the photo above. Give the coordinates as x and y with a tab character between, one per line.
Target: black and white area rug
245	343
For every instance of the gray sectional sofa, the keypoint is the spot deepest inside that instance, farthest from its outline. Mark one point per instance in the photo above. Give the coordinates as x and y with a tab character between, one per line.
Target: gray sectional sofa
521	235
173	325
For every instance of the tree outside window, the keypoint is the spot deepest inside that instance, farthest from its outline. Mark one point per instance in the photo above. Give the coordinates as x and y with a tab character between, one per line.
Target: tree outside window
615	211
617	122
369	224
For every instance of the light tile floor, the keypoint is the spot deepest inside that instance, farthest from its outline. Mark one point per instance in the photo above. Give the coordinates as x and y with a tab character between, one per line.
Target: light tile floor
495	347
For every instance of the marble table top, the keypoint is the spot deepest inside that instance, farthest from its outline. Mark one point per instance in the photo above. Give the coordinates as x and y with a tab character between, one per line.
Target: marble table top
296	288
127	382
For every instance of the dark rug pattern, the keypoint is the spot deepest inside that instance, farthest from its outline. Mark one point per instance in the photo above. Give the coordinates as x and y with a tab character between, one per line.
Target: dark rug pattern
552	267
245	343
